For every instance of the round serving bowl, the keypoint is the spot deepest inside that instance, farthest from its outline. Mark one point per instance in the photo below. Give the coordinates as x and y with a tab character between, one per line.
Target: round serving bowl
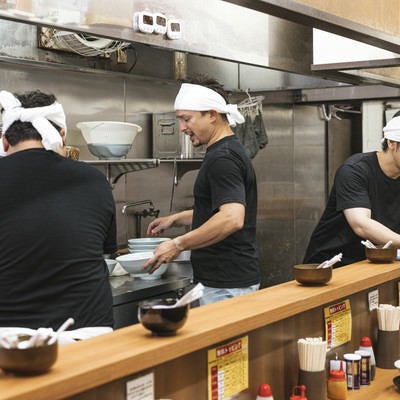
147	241
133	263
380	255
30	361
109	139
309	274
162	321
111	265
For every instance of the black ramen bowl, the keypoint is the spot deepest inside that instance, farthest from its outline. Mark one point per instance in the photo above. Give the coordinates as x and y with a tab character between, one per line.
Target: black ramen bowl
396	381
162	321
30	361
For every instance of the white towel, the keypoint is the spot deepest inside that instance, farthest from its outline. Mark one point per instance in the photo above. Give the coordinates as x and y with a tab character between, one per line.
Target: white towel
200	98
38	116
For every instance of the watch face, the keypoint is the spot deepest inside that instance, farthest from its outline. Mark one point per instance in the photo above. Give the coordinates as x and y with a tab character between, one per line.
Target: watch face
161	21
147	19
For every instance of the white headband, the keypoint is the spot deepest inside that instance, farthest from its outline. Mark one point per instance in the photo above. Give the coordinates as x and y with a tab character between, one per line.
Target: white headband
38	116
200	98
392	130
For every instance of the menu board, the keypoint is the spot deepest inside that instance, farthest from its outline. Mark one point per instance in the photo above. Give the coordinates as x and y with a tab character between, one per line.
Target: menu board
337	324
228	369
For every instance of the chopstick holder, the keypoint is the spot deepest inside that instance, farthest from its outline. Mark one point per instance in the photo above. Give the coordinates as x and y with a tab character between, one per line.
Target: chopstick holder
388	339
312	374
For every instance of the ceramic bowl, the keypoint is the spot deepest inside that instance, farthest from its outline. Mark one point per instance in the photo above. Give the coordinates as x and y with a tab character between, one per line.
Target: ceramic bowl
109	139
133	263
111	265
380	255
31	361
162	322
396	382
147	241
309	274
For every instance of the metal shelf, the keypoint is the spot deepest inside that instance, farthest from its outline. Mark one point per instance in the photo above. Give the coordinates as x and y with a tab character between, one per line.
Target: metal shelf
181	166
117	168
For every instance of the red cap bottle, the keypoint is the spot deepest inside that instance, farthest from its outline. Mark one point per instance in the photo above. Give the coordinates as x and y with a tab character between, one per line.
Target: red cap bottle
264	392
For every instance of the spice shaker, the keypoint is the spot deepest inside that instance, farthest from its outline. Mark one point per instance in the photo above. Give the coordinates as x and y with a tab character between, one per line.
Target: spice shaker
366	344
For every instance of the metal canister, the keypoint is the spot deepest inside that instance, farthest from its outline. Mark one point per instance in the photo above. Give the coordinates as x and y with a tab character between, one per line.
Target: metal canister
352	370
365	367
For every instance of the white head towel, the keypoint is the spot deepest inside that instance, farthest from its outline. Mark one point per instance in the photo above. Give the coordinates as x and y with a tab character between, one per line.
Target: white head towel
200	98
38	116
392	130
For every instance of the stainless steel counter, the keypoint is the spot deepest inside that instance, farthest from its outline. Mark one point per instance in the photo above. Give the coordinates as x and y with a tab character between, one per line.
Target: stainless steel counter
128	291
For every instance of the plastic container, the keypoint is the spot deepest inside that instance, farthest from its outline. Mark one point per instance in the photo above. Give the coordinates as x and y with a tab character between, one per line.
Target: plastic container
264	392
337	385
366	344
296	396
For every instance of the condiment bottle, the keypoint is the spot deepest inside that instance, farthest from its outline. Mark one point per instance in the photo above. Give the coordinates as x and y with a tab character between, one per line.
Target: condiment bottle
301	396
366	344
337	385
264	392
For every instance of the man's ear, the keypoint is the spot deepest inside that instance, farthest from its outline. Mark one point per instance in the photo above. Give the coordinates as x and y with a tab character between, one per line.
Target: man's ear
213	115
6	145
62	134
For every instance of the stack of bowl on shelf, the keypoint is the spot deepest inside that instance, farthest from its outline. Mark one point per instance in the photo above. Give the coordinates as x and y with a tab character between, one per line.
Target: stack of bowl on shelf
140	251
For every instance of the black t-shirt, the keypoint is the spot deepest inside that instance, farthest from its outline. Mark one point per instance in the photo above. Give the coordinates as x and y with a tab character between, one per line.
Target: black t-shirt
57	219
226	176
359	182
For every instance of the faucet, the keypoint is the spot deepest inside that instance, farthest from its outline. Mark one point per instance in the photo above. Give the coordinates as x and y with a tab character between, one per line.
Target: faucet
137	203
150	212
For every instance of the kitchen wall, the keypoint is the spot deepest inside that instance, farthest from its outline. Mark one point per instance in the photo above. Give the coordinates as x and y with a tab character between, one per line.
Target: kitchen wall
291	170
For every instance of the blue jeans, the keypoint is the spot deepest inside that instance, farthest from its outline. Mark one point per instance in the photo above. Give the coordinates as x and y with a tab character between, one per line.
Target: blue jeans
212	295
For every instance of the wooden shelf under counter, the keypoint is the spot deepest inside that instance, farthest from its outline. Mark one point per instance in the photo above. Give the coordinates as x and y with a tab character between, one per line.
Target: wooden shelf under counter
272	318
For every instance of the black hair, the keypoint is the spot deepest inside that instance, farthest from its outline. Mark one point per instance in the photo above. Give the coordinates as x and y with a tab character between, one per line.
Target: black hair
20	131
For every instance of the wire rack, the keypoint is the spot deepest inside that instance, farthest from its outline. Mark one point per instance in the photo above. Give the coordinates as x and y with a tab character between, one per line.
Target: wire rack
84	44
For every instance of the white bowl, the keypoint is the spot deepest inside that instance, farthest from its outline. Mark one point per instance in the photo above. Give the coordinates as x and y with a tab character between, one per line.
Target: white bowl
108	132
147	241
110	265
133	263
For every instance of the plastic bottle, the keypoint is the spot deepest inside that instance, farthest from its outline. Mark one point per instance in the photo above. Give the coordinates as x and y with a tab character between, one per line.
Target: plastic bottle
301	396
264	392
337	385
366	344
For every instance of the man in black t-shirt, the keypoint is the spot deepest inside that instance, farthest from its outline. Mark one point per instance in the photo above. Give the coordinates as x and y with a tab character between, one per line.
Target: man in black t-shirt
223	235
57	220
363	204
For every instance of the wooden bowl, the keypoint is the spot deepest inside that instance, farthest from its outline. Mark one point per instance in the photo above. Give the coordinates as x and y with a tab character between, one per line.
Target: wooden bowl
380	255
30	361
309	274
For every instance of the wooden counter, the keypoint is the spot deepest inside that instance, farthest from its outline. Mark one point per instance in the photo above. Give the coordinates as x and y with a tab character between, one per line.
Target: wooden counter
273	318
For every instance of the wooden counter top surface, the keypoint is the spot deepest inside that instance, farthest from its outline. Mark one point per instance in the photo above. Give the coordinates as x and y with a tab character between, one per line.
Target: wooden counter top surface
93	362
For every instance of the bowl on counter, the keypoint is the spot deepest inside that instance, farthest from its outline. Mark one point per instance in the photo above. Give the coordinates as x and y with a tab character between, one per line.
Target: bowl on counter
109	139
147	241
111	265
309	274
29	361
133	263
380	255
162	321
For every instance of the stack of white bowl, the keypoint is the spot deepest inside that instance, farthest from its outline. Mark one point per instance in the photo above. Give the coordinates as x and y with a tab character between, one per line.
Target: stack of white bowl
141	247
144	244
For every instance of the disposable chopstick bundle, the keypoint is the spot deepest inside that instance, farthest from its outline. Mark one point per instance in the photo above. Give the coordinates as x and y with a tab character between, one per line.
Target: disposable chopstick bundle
388	317
312	354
